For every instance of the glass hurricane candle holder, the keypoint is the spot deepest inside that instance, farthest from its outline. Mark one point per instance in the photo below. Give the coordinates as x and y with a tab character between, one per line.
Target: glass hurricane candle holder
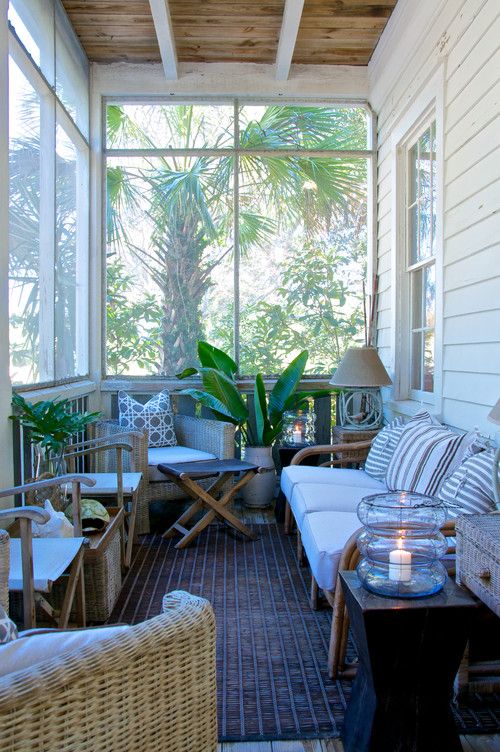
401	544
298	428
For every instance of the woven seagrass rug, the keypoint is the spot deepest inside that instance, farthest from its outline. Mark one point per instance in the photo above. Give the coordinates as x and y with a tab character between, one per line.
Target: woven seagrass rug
271	647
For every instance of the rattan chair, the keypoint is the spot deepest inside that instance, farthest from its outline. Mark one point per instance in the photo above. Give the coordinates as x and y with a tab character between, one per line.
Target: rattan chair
203	434
149	688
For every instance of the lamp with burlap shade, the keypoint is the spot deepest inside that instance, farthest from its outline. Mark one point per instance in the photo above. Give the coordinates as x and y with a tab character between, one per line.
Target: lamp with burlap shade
360	375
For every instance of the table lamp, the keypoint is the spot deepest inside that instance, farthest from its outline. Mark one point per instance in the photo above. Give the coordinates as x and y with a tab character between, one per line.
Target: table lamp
360	375
494	416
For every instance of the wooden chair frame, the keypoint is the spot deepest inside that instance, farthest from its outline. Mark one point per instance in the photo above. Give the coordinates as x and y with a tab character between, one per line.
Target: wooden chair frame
96	446
25	515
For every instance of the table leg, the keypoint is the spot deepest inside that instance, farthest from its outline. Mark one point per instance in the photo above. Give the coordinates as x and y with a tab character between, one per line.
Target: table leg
193	491
408	659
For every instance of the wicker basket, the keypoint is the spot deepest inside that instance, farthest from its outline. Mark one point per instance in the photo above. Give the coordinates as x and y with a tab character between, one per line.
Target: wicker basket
478	556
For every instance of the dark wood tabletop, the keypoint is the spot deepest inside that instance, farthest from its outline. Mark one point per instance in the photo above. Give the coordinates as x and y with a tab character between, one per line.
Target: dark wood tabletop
206	468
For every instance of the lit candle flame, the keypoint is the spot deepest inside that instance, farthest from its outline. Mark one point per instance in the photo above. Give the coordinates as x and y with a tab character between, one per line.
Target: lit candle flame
400	543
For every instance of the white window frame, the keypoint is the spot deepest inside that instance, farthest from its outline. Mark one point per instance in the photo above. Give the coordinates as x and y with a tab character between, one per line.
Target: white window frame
52	111
425	107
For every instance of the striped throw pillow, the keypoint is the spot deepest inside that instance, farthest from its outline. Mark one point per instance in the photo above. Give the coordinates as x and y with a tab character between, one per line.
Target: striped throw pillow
424	457
470	489
385	442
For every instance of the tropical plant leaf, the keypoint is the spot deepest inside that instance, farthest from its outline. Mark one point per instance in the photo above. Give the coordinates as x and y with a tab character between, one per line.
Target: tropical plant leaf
219	409
225	390
186	373
264	428
211	357
286	386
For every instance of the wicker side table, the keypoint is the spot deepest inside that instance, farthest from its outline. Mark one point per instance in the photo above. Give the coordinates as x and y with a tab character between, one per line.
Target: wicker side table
478	556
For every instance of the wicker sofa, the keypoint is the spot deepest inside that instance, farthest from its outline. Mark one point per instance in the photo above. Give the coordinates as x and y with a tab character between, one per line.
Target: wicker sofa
149	687
208	438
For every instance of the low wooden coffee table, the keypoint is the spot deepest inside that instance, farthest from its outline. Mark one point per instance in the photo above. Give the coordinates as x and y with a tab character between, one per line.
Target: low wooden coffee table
186	475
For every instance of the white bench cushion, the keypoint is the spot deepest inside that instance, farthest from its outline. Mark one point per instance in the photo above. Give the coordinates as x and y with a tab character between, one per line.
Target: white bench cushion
324	535
30	649
323	497
172	455
338	476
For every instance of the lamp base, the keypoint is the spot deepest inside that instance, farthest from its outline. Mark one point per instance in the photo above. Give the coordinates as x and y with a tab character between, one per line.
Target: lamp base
360	409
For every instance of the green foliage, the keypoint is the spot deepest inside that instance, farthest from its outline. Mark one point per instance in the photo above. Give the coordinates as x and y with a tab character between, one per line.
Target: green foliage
128	339
186	206
221	394
50	422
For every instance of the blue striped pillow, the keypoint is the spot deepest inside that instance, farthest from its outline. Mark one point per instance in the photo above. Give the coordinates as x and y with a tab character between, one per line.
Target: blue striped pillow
385	442
470	489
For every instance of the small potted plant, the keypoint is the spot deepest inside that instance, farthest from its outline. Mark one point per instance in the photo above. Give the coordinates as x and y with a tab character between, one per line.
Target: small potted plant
221	394
51	426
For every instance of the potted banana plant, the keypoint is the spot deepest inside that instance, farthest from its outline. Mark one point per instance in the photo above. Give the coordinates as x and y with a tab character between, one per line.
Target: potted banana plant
259	431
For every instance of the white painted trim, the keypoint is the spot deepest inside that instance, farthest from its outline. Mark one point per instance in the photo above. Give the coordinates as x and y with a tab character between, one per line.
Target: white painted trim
61	391
233	80
429	100
6	465
165	36
288	37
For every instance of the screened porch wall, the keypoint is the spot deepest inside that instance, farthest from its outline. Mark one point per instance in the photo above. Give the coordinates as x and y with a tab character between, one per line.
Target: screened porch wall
460	39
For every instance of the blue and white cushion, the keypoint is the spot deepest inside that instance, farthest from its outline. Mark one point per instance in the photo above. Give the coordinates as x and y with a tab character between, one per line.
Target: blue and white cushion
156	417
470	489
424	457
385	443
8	630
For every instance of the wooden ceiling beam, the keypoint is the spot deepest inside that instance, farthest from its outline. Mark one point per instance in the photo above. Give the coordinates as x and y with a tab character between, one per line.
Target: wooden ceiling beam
165	36
288	35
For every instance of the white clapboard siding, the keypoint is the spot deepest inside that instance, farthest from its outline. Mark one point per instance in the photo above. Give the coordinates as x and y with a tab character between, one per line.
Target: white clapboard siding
461	37
478	327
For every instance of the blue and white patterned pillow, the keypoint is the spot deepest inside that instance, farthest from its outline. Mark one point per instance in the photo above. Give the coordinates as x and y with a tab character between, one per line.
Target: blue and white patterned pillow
470	489
156	417
8	630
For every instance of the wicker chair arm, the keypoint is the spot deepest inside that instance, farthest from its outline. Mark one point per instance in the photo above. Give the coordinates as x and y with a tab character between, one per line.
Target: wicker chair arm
96	449
214	436
4	570
147	688
355	449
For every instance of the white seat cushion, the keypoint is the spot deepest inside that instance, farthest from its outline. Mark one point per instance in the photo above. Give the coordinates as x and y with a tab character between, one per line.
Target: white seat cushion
324	535
106	484
31	649
339	476
172	455
51	557
323	497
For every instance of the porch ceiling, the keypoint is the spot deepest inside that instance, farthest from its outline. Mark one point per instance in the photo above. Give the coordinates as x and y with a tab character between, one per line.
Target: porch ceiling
335	32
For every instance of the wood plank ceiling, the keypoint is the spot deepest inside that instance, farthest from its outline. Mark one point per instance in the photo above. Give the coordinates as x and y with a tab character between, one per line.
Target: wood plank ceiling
339	32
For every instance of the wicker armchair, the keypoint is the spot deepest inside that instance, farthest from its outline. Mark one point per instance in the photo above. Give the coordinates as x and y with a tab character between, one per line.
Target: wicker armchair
151	687
204	434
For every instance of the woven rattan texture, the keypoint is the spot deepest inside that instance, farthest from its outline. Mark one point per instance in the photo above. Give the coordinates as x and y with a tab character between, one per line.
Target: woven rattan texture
271	647
4	570
152	688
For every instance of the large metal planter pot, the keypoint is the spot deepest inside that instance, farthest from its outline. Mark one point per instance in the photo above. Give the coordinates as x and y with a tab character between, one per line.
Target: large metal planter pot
259	492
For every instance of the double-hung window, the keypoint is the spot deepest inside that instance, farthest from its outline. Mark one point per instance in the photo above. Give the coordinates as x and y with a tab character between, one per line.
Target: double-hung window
49	194
420	214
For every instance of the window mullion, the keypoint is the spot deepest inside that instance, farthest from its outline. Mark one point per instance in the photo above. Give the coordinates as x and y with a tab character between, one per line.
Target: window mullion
46	282
236	234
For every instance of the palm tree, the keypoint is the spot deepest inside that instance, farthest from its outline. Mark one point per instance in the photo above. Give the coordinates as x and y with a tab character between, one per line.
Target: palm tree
188	200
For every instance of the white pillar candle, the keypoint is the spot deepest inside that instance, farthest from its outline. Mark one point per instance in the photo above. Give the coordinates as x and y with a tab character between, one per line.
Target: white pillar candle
297	436
400	564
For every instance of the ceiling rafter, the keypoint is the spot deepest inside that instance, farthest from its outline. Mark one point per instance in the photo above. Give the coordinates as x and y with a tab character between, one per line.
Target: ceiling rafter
288	36
165	36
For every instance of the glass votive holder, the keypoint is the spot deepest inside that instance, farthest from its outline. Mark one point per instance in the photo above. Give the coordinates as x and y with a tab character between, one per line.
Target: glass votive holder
401	544
298	428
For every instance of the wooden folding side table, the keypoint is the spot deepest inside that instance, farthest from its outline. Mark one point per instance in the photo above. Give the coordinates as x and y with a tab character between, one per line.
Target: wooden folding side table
186	475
